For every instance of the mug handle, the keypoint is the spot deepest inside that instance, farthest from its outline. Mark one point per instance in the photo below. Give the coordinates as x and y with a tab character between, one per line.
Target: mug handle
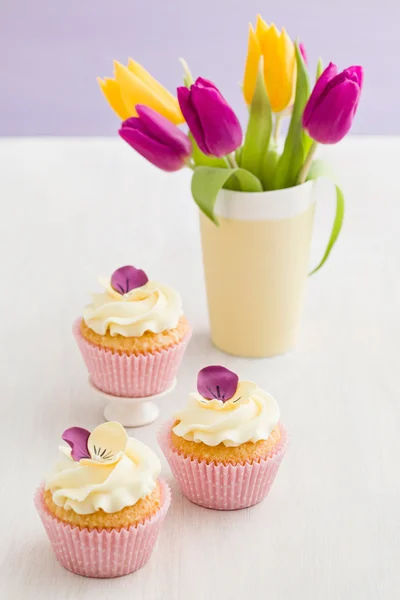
337	223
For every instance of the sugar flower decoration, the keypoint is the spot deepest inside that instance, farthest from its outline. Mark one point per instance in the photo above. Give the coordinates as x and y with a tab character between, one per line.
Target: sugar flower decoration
218	385
128	278
105	445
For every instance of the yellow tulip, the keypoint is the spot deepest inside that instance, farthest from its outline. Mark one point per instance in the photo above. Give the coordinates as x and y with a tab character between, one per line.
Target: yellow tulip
277	50
251	68
134	85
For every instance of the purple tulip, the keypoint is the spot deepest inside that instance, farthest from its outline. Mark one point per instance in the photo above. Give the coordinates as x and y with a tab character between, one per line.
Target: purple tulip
156	139
211	120
330	110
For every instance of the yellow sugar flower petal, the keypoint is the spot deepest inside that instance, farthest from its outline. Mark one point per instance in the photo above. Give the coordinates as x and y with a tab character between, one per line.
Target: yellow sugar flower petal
251	68
163	94
112	92
244	390
107	442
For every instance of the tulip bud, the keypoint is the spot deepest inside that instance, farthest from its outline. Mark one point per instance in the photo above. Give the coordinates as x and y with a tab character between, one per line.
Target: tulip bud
303	52
330	110
211	120
156	139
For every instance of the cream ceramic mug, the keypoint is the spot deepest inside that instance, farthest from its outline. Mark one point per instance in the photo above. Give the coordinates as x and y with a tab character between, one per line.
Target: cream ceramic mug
256	266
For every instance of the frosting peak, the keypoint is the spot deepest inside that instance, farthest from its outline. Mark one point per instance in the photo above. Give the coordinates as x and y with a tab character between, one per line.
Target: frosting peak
250	415
146	306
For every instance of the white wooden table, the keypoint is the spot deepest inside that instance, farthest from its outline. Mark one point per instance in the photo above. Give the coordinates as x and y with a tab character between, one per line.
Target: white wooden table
74	209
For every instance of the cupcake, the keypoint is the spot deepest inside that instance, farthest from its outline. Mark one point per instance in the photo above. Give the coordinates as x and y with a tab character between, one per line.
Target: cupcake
103	504
225	447
133	335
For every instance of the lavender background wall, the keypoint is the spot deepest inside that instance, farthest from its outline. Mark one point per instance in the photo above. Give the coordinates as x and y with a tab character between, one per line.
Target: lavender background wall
51	52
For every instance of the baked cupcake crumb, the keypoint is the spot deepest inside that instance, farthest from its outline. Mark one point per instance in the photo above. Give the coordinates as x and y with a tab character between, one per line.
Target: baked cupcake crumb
249	452
149	342
129	516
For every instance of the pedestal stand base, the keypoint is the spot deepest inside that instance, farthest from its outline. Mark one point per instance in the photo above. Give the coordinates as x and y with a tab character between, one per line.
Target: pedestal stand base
131	412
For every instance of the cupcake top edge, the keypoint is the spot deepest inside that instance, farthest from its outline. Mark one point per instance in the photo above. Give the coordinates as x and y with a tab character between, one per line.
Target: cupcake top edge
103	469
226	410
131	304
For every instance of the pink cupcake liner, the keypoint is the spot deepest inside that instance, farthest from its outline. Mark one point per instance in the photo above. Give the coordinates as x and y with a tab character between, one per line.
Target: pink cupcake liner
219	486
131	376
105	553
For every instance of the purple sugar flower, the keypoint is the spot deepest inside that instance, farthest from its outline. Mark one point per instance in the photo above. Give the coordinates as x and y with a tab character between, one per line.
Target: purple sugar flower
125	279
217	383
77	438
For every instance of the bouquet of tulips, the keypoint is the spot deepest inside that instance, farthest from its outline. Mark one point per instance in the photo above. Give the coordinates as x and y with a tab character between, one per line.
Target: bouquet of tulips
276	85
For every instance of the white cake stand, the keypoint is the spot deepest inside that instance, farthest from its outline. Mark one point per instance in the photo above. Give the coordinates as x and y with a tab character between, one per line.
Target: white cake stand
131	412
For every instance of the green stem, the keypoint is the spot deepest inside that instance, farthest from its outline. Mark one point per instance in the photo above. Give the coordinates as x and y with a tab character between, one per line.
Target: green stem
231	161
190	164
307	163
277	126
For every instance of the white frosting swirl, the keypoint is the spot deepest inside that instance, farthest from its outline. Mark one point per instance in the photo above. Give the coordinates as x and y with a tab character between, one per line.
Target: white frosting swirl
248	419
88	487
152	307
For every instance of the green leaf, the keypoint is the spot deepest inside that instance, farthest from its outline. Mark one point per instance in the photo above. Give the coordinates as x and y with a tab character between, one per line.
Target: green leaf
320	169
270	162
320	68
232	184
294	152
259	129
202	159
208	181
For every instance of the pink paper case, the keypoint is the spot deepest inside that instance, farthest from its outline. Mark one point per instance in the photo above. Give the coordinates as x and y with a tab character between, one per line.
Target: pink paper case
219	486
105	553
130	376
